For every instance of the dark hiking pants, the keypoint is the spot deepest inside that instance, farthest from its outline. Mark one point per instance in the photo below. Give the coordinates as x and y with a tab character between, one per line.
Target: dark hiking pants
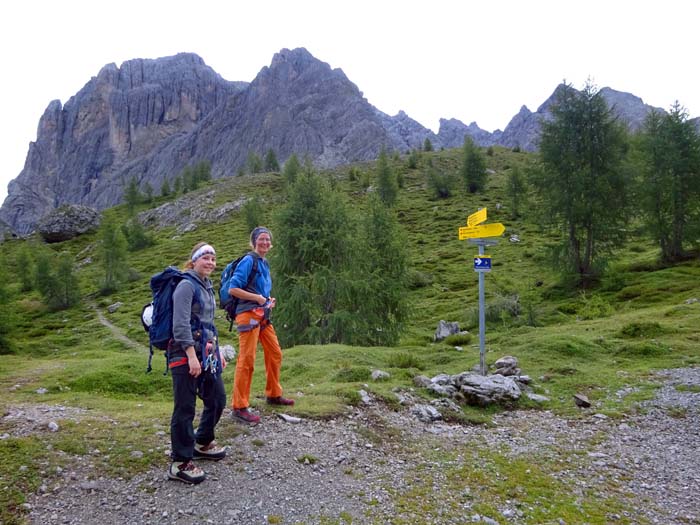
185	391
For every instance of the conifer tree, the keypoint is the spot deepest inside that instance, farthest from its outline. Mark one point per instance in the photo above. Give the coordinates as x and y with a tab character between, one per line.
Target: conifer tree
473	167
254	163
113	255
427	145
291	169
516	191
64	291
6	313
202	171
25	265
147	193
670	182
582	182
440	183
413	159
313	251
271	163
189	181
253	212
136	236
42	271
387	186
165	188
381	282
132	195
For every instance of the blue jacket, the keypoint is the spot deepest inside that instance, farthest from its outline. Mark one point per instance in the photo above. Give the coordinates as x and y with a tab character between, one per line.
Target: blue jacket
262	284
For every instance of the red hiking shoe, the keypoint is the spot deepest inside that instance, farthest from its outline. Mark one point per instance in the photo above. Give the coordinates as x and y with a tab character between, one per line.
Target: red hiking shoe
245	416
279	400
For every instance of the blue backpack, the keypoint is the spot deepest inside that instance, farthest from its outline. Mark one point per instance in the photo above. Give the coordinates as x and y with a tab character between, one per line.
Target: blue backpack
157	316
226	300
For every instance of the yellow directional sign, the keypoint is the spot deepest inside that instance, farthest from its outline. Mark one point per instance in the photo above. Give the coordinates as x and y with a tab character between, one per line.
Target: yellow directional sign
476	218
484	230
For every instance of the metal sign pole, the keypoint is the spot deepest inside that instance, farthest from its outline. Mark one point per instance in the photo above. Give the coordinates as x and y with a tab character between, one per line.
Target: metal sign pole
476	233
482	319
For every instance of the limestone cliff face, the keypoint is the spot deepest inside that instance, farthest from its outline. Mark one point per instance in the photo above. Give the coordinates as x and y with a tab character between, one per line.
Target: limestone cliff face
149	119
524	128
116	119
452	133
296	105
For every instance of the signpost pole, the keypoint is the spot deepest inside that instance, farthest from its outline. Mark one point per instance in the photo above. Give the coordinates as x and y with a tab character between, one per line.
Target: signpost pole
477	233
482	318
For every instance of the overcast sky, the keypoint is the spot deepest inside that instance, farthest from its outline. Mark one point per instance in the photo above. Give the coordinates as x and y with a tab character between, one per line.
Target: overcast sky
473	61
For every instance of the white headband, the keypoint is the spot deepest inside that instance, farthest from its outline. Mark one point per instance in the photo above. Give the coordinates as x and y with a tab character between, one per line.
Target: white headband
202	250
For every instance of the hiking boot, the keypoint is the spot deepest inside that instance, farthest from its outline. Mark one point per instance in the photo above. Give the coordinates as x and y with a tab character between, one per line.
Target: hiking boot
211	451
187	472
245	416
279	400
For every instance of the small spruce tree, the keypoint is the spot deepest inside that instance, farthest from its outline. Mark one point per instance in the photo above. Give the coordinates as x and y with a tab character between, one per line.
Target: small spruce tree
291	169
114	247
132	195
387	186
271	163
473	167
253	213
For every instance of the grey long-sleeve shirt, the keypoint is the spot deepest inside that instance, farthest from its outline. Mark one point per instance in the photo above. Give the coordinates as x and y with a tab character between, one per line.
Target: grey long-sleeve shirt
184	309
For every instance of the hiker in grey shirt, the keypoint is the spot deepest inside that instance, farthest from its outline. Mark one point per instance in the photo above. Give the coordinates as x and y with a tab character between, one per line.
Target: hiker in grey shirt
196	366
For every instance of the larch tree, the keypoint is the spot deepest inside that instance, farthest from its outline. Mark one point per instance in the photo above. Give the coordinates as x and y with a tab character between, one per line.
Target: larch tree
582	182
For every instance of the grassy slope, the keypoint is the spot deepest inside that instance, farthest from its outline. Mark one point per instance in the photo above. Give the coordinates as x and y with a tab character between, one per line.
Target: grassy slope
596	343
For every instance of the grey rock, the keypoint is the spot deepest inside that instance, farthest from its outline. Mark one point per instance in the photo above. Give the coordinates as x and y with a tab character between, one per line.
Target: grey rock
365	397
444	329
581	401
446	404
380	375
68	221
426	413
537	398
421	381
486	390
114	307
507	366
289	419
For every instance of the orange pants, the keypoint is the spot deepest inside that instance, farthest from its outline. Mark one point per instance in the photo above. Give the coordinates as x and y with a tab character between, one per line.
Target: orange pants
248	343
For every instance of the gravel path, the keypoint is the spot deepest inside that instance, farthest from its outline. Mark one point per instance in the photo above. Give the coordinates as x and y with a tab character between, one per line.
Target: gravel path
348	470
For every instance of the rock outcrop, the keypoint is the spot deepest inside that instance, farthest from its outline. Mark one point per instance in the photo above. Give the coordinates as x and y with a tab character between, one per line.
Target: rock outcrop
68	221
109	129
149	119
452	133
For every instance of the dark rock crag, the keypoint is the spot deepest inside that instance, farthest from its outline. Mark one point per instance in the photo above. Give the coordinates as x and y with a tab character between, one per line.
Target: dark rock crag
149	119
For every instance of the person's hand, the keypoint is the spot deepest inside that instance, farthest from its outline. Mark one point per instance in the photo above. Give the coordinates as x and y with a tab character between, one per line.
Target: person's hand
262	298
223	362
195	366
272	302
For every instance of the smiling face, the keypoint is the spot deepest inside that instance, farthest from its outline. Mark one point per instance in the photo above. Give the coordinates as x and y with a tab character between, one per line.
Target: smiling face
263	243
205	264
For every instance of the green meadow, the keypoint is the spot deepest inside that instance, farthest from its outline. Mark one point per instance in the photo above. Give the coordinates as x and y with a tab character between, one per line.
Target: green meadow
640	318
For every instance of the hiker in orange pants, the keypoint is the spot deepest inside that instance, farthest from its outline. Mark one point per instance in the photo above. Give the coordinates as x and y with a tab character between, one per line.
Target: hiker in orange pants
260	330
251	284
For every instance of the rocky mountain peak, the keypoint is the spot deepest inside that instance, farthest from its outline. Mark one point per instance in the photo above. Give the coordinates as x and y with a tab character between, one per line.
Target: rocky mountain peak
149	118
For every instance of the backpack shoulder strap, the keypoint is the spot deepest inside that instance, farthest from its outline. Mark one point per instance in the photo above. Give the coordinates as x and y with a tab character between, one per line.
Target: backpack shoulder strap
253	270
196	297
